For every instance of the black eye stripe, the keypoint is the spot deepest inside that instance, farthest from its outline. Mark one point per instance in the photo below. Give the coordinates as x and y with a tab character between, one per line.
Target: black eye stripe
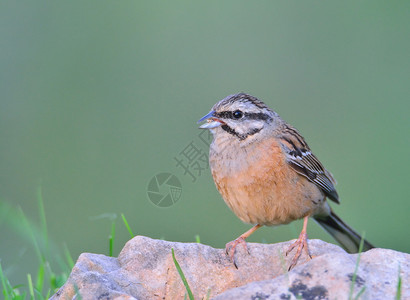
224	115
257	116
238	135
252	116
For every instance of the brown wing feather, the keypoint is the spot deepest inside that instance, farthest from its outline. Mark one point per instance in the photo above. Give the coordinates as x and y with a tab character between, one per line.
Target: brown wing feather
304	162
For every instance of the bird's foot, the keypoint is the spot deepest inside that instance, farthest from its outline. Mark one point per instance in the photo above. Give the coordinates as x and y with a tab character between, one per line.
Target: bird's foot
301	243
231	247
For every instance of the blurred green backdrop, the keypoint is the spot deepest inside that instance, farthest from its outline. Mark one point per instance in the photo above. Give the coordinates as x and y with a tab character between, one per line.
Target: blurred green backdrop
99	96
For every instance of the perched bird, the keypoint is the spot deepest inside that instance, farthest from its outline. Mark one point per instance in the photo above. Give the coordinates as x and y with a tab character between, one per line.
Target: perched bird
267	174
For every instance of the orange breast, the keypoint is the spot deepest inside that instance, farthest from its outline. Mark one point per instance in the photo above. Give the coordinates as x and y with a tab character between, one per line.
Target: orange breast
261	188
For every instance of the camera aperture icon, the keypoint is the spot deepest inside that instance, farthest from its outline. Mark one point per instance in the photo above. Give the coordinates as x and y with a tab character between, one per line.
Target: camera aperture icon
164	189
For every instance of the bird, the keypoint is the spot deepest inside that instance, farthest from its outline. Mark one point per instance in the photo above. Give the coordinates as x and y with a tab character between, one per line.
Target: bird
268	176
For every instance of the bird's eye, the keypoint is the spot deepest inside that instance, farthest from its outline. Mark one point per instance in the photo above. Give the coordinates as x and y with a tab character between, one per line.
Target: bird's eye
237	114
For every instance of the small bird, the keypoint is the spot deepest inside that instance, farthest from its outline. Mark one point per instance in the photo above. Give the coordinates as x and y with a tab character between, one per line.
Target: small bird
267	174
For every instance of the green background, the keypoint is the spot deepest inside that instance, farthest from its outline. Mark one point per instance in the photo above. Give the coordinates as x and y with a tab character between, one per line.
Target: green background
99	96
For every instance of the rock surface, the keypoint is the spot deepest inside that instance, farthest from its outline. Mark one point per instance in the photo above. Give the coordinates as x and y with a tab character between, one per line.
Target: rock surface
145	270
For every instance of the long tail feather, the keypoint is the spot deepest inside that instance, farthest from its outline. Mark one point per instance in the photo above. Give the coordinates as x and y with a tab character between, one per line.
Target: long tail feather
341	232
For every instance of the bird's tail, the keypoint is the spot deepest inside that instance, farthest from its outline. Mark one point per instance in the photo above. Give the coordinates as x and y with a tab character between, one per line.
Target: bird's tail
341	232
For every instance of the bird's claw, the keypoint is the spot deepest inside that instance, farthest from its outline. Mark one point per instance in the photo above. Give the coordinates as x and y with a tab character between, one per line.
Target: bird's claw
231	247
301	242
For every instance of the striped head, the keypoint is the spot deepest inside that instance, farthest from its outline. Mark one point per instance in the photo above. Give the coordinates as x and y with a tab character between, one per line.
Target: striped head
240	115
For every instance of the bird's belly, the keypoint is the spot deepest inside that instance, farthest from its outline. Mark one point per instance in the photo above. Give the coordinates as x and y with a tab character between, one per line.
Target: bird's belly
265	190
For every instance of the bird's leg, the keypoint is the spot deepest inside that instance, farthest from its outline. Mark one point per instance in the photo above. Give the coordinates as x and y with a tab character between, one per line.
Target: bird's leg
230	247
301	242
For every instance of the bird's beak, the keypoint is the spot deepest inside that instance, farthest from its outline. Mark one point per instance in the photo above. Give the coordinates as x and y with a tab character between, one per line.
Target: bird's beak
212	121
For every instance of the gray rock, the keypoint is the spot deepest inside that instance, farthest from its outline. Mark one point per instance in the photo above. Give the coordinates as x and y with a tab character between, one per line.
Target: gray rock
330	277
145	270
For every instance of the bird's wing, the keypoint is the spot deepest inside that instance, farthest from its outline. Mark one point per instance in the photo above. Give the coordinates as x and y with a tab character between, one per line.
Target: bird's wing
304	162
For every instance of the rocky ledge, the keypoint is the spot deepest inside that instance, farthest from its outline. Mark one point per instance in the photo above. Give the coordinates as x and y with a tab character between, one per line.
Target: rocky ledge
145	270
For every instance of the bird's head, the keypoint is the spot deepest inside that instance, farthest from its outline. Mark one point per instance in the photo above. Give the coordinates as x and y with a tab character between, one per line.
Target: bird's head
240	115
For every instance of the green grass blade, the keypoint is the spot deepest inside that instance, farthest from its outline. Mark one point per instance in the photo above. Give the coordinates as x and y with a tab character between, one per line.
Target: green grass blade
30	286
127	226
283	265
398	290
27	226
181	274
40	278
60	280
111	238
42	215
356	268
52	277
111	245
37	236
68	256
360	293
197	239
77	292
48	294
39	295
6	285
112	217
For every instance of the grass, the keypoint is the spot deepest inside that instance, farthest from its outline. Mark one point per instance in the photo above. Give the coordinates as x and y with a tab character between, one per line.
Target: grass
181	274
46	281
30	286
398	289
127	226
10	292
362	290
183	278
283	265
352	284
197	239
111	239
